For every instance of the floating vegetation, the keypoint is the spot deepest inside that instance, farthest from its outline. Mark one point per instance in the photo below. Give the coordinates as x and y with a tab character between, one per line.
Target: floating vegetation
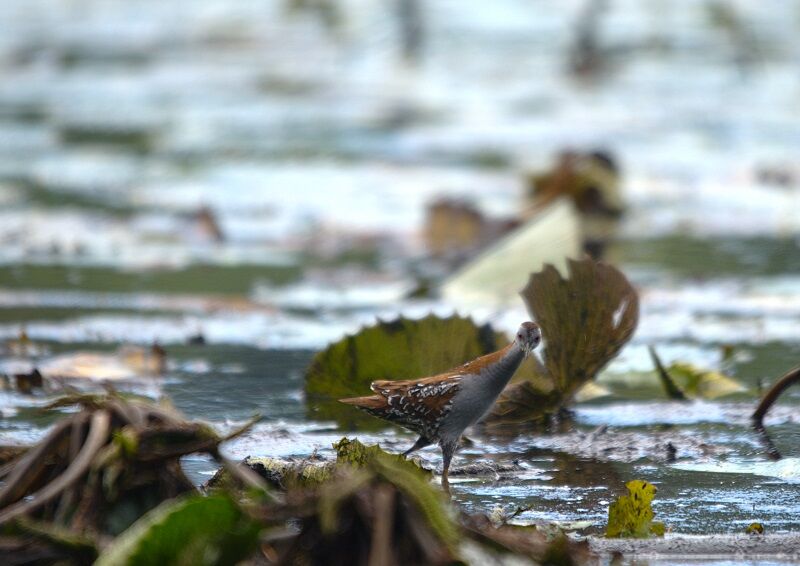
585	320
196	278
631	516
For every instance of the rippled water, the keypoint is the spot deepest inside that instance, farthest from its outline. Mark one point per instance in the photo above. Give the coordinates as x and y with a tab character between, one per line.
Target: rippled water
119	121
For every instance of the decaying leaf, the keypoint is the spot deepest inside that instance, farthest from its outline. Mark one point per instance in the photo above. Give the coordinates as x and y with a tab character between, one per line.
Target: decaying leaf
354	453
631	516
585	319
195	530
590	391
398	349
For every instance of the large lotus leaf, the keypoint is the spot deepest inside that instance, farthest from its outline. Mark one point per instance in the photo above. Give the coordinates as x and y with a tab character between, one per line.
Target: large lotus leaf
190	531
400	349
585	320
632	515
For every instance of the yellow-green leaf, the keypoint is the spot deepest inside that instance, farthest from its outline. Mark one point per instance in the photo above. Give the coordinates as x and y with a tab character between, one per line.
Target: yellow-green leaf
755	529
631	516
705	384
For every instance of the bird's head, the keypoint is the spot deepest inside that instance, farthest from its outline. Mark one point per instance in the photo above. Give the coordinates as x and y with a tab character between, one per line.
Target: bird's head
528	337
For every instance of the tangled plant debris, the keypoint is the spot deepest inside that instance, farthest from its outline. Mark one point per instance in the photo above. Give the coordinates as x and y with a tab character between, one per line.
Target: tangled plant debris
98	471
106	485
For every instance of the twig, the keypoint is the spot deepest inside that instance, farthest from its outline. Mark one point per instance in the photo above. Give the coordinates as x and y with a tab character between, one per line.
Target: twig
242	429
769	398
23	474
98	435
672	390
245	475
384	501
772	395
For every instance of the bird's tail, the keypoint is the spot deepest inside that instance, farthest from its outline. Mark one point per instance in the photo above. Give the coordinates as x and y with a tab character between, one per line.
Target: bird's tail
370	402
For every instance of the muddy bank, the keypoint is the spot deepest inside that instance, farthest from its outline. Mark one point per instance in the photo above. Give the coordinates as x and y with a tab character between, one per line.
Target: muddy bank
679	547
613	445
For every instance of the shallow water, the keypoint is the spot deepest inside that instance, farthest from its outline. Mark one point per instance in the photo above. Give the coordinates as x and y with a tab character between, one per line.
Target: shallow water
120	120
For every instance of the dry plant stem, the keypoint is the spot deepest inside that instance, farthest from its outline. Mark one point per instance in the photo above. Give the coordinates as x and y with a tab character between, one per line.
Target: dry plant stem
673	391
767	401
772	395
98	434
380	552
243	474
30	465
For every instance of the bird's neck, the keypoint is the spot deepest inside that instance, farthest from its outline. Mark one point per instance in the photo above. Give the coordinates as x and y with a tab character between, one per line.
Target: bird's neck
499	371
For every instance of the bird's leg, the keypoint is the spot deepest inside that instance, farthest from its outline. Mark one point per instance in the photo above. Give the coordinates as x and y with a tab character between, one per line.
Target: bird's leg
448	449
421	442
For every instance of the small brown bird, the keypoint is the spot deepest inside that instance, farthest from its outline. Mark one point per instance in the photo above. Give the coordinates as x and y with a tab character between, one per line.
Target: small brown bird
441	407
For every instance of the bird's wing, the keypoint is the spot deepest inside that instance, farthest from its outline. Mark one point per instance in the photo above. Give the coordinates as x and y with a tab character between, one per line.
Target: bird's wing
416	402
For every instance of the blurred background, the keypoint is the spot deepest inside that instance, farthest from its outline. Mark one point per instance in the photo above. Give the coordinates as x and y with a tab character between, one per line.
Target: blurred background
213	189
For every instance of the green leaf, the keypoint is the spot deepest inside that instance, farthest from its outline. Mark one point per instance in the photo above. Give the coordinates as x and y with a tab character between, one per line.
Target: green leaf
631	516
187	531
